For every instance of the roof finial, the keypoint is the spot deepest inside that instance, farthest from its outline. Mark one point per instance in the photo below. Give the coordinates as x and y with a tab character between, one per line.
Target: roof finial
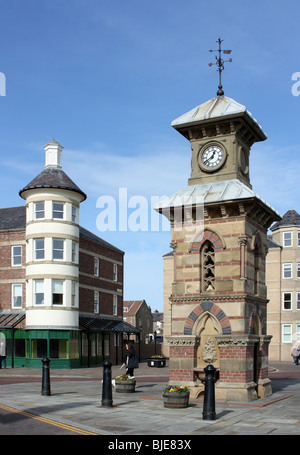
220	64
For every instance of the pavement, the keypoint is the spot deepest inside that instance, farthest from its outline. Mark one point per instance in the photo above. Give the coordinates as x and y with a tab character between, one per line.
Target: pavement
76	395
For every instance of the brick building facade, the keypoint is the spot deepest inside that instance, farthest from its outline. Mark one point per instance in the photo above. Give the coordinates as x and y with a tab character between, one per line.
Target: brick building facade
283	282
138	314
61	286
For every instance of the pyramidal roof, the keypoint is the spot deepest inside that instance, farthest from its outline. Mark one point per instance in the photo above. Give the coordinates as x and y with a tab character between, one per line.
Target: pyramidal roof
290	218
217	107
210	193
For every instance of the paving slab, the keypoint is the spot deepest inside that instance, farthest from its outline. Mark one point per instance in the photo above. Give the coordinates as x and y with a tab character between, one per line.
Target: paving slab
76	400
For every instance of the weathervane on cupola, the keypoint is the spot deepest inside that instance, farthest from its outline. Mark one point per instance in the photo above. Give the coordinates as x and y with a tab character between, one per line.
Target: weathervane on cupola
220	64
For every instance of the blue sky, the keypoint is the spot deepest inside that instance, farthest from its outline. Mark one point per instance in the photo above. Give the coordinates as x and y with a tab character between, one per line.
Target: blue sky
106	79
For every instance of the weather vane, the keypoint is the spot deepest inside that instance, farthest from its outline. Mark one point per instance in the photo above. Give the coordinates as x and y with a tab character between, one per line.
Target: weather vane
220	64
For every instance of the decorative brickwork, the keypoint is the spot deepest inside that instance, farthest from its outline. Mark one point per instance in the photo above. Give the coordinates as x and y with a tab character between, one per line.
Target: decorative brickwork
211	308
207	235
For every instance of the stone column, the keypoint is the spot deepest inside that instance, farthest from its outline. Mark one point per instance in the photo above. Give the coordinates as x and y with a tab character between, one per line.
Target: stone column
243	242
173	245
264	388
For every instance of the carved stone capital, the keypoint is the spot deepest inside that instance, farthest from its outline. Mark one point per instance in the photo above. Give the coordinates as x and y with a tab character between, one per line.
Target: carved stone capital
243	340
243	240
182	340
265	339
173	245
236	340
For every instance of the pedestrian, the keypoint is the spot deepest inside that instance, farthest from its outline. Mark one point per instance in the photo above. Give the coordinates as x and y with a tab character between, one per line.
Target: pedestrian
131	361
2	354
295	353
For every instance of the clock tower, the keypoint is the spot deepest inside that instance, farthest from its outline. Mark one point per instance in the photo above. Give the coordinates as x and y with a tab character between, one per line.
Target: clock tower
216	311
221	132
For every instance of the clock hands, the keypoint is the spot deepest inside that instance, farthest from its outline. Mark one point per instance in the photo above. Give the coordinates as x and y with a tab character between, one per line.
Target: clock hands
212	157
209	158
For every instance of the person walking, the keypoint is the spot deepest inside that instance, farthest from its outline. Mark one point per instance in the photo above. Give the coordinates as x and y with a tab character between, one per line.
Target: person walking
2	354
131	361
295	353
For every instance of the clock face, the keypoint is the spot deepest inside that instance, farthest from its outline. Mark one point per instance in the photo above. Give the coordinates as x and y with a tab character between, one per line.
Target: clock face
212	157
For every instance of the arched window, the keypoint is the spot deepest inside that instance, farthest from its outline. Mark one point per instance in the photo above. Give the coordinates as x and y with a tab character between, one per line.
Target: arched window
207	267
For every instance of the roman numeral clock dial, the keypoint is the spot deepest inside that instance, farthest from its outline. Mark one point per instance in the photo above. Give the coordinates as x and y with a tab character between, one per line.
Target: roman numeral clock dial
211	158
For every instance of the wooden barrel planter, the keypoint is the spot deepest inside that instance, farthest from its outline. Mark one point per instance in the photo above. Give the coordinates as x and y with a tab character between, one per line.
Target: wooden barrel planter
125	386
176	400
156	362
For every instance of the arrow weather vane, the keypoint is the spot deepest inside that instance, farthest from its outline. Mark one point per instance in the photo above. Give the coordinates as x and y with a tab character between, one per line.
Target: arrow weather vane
220	64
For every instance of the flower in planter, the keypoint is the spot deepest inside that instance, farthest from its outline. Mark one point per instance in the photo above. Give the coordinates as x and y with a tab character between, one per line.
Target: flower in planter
177	389
176	396
157	356
125	377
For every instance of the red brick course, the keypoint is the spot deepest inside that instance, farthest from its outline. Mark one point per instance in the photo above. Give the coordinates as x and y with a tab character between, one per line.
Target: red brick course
8	272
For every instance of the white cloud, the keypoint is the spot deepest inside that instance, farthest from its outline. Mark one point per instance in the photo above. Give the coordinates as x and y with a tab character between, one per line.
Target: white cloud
156	169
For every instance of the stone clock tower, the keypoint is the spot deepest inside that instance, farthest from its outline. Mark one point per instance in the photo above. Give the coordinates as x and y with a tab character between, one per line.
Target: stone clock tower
217	305
221	132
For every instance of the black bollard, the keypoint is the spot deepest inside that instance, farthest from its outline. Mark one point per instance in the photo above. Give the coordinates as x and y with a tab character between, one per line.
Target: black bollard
107	386
209	412
46	377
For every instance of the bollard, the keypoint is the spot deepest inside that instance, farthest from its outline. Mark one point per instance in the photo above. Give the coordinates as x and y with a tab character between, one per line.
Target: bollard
46	377
107	386
209	412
